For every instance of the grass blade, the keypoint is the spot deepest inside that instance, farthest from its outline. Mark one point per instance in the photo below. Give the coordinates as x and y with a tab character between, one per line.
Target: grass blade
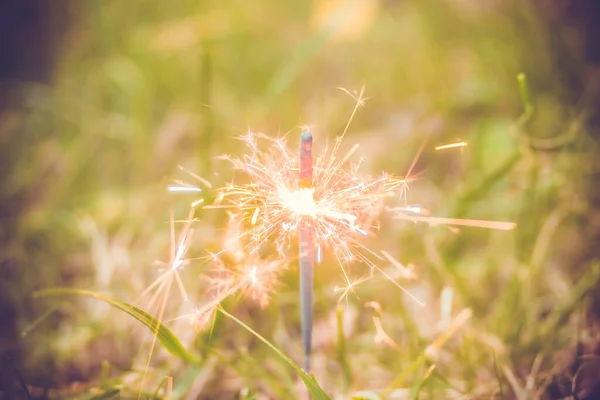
108	394
342	349
310	382
164	335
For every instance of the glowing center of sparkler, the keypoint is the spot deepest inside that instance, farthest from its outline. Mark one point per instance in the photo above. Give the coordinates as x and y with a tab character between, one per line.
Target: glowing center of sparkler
299	201
253	277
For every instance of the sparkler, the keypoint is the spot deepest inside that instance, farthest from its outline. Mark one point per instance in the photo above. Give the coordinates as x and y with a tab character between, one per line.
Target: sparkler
328	204
306	250
276	205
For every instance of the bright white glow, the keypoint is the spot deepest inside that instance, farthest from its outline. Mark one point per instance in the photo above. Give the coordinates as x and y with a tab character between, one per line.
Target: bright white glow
253	277
414	209
300	201
183	189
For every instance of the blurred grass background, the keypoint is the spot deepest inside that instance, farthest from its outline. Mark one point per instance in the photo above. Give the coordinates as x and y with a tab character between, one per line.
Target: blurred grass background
137	88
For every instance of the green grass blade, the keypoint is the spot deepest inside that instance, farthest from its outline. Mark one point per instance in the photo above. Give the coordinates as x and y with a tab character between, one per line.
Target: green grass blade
563	310
109	394
310	382
524	92
164	335
342	348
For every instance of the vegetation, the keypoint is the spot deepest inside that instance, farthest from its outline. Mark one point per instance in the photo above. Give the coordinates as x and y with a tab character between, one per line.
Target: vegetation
144	87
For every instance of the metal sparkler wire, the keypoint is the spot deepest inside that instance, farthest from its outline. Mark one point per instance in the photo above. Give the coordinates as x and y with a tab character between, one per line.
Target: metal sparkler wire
306	250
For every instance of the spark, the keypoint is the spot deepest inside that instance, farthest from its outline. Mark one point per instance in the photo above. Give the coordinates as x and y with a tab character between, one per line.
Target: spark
405	272
349	288
235	272
196	176
251	276
452	145
474	223
164	282
255	215
180	186
197	203
179	248
413	210
183	189
340	206
409	177
417	213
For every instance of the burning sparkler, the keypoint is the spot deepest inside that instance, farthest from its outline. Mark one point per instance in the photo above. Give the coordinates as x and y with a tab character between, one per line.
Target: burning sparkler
339	207
328	204
307	249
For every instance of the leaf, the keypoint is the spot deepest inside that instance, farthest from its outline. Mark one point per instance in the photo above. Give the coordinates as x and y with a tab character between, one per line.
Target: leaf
164	335
310	382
